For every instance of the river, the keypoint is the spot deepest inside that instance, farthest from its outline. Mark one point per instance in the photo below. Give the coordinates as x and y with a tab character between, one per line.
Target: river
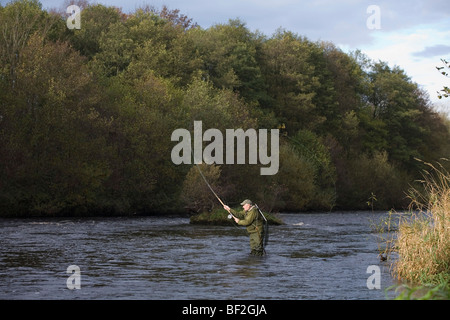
312	256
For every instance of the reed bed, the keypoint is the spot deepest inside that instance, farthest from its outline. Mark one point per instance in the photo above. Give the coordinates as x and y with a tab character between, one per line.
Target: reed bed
423	239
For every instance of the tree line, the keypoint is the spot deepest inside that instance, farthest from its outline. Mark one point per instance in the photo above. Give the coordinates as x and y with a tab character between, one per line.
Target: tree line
86	115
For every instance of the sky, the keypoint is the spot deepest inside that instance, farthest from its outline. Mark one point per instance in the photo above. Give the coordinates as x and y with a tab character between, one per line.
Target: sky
411	34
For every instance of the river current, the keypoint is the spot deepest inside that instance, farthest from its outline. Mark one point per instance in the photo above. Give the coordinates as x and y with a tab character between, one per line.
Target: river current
311	256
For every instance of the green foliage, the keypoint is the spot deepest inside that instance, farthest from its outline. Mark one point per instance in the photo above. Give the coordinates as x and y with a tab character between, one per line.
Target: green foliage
52	131
229	55
296	174
310	148
439	292
18	21
86	115
291	82
396	101
372	175
97	20
445	92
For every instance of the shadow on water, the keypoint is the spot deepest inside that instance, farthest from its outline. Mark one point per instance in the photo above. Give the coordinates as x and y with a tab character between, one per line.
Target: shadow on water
312	256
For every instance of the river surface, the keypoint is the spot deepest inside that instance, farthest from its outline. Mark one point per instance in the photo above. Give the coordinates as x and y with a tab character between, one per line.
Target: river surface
312	256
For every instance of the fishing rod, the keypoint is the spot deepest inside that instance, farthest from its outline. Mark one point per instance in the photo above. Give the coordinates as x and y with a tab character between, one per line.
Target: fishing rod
209	186
212	190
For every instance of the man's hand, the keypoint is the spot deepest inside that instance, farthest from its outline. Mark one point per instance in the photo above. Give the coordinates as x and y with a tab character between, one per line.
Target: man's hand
226	208
236	219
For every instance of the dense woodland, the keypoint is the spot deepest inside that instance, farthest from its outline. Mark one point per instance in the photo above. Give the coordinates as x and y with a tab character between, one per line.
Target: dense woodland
86	116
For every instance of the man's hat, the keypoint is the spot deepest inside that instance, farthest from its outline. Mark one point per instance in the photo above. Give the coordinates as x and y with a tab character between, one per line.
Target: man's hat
246	201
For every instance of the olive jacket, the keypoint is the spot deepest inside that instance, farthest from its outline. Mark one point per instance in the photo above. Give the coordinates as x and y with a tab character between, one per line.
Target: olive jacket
251	219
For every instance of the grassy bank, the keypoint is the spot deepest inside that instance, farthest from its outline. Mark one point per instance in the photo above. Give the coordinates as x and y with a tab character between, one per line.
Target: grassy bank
220	217
423	240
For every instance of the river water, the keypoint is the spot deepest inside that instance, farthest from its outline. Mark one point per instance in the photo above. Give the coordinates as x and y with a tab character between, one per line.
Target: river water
312	256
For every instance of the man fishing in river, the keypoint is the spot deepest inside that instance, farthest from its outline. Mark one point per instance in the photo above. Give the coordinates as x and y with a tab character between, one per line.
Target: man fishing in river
253	220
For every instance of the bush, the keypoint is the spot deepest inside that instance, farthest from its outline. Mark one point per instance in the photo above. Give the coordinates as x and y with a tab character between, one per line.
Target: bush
368	177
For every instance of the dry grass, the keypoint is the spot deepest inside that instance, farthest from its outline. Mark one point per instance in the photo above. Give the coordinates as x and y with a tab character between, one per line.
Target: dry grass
423	241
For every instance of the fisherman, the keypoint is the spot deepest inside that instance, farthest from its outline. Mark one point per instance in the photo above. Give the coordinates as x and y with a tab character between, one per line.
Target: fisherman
251	218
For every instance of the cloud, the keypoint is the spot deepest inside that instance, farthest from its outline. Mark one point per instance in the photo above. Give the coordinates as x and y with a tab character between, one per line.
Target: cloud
414	50
433	51
342	22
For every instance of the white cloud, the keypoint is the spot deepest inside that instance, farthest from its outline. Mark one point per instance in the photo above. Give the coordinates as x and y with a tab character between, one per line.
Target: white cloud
400	48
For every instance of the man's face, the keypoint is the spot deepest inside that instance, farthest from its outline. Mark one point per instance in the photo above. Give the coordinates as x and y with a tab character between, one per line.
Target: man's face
246	206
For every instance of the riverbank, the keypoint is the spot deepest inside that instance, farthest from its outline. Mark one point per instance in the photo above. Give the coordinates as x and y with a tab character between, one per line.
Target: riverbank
423	240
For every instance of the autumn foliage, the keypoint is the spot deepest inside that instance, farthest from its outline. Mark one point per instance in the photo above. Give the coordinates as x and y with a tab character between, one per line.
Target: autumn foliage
86	115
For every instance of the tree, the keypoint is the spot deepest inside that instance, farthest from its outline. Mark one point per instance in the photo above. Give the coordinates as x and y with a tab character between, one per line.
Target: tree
146	42
366	176
349	82
54	156
309	147
230	59
179	20
291	81
296	175
115	51
96	21
399	104
20	19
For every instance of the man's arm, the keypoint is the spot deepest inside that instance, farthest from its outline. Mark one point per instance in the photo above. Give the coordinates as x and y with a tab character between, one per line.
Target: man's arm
239	215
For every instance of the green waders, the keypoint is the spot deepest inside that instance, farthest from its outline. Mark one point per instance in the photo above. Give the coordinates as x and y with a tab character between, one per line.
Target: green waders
256	242
255	227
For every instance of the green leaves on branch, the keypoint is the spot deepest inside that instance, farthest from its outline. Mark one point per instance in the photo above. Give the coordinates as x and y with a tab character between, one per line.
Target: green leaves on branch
445	92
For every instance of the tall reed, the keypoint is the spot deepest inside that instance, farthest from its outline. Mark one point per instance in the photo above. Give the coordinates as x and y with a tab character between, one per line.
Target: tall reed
423	240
